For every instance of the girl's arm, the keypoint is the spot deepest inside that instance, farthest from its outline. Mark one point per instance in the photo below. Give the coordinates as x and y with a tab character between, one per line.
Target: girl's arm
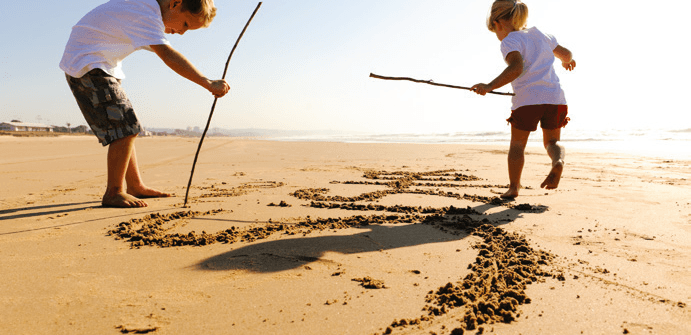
565	56
512	71
178	63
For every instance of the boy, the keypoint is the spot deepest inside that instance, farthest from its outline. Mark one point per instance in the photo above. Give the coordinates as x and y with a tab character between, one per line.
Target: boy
93	66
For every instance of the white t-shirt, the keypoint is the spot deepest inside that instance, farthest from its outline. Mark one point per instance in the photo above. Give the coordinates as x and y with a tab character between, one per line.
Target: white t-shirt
111	32
538	84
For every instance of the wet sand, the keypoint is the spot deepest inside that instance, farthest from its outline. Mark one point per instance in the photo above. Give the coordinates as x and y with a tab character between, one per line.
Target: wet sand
331	238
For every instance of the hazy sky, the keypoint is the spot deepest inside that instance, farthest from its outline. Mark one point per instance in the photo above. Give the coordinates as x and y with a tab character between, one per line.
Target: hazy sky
305	65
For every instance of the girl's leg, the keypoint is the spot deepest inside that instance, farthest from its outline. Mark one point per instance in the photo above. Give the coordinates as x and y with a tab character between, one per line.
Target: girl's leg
119	155
557	153
135	185
516	159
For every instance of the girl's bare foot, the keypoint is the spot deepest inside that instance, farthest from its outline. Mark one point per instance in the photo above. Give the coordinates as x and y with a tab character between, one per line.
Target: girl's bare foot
554	176
146	192
122	200
512	192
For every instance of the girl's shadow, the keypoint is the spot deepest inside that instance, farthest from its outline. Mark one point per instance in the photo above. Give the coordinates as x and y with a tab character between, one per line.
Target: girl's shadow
291	253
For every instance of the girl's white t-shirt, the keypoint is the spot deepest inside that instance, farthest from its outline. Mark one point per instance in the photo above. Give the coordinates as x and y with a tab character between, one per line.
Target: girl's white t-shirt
111	32
538	84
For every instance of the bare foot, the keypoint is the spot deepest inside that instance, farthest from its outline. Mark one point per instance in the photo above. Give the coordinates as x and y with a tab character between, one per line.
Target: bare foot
511	193
552	180
146	192
122	200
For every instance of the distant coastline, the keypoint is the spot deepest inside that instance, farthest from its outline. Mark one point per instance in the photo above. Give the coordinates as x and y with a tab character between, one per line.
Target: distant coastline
669	144
39	134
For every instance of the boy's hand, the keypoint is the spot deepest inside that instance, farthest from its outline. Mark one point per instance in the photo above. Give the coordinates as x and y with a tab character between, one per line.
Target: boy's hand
570	65
218	88
481	89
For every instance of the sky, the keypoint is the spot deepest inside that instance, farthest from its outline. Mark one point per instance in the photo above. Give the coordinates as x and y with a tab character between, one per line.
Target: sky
305	65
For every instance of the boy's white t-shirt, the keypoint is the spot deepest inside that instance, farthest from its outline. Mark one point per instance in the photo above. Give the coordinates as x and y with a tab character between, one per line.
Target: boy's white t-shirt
111	32
538	84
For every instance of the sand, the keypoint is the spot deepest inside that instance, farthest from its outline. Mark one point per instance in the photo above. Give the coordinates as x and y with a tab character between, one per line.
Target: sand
332	238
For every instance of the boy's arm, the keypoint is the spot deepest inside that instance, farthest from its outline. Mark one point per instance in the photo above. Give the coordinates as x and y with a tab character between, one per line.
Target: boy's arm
565	56
178	63
512	71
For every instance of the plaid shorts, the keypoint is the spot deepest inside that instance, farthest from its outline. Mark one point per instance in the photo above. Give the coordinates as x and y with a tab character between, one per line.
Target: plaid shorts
105	106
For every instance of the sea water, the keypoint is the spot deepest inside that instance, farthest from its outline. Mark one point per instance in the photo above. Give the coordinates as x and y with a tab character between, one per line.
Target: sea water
657	143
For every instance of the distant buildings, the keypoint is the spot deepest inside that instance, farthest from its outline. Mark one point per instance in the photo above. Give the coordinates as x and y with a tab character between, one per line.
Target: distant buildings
19	126
16	125
145	132
82	129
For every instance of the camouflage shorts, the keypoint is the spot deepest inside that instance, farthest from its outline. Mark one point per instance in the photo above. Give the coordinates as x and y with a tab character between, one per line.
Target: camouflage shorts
105	106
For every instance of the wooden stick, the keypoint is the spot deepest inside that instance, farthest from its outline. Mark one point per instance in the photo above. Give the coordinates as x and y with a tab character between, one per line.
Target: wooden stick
208	123
430	82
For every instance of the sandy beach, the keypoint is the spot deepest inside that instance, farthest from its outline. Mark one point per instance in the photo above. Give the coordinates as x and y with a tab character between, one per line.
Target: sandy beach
334	238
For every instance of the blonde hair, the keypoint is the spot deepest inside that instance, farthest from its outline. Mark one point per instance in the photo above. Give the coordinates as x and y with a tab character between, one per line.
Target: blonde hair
203	9
513	11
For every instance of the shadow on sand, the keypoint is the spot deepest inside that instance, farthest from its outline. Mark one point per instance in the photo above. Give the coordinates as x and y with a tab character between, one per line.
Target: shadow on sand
291	253
48	210
27	212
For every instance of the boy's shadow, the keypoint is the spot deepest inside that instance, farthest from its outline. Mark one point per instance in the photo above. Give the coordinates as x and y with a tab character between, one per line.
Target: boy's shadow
291	253
27	212
45	210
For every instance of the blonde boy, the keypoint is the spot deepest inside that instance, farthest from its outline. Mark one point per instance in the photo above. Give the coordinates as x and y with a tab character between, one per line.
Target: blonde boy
93	66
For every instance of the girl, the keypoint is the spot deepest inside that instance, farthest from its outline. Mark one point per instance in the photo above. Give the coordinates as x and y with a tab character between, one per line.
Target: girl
539	98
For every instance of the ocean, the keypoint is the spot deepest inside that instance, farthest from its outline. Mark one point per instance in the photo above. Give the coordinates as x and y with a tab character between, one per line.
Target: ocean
657	143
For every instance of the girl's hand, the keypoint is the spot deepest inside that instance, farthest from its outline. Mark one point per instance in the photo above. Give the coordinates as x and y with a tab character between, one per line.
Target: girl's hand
219	88
570	65
481	89
513	70
565	56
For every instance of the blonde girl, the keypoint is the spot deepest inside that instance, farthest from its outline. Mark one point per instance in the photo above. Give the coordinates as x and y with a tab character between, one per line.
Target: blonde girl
530	56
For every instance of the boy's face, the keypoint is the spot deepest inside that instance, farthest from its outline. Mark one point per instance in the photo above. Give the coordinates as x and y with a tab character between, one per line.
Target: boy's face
178	21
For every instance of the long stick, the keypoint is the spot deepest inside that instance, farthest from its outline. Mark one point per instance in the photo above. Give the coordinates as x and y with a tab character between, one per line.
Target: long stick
431	83
196	156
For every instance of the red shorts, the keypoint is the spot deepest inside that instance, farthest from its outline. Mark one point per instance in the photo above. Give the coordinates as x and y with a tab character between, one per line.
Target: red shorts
549	116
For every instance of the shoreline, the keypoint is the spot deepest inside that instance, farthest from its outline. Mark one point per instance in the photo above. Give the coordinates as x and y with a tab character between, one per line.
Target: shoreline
267	264
667	149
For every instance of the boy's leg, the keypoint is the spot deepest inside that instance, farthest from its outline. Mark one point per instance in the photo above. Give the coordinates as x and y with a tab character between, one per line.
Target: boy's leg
557	153
135	185
119	155
516	160
110	114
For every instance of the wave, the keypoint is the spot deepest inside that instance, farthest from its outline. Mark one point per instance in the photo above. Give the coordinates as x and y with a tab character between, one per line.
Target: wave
672	143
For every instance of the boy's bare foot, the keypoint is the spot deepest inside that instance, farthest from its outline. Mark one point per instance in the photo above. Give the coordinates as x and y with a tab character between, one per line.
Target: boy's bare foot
146	192
122	200
552	180
511	193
